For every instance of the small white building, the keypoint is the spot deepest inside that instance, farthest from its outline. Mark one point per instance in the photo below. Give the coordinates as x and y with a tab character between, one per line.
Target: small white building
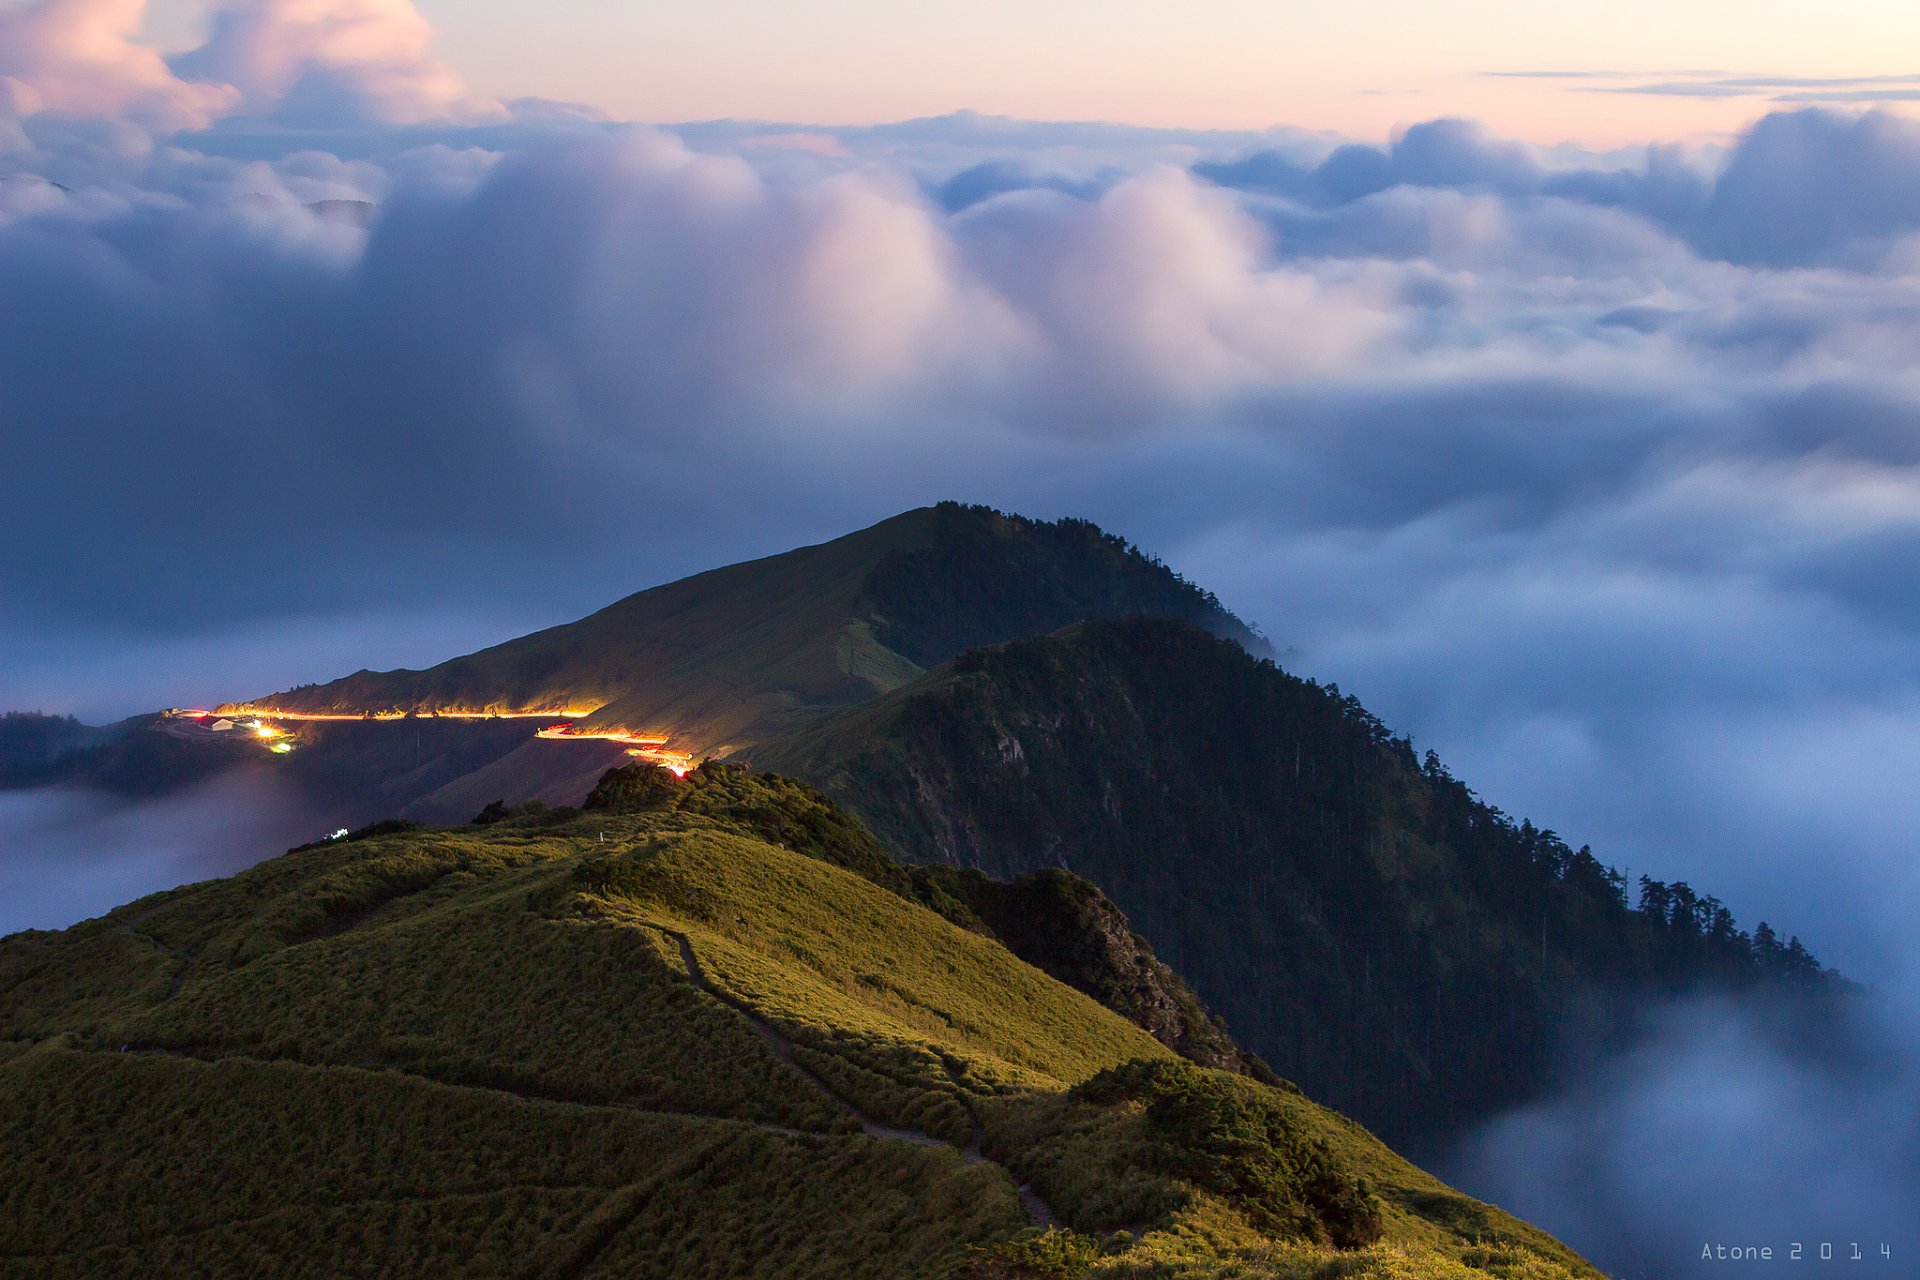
221	726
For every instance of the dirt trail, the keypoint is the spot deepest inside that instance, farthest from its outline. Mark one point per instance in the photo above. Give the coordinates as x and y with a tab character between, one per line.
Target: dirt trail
1038	1211
181	961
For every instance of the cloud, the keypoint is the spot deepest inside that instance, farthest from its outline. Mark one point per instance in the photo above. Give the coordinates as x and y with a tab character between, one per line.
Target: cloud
639	307
991	178
81	58
301	63
1682	89
68	855
1844	89
1818	82
330	62
1724	1130
1153	296
1801	188
1807	185
1718	84
1459	154
1909	94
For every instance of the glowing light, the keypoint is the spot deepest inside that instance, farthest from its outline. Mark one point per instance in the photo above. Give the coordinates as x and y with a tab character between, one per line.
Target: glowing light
677	763
649	747
274	713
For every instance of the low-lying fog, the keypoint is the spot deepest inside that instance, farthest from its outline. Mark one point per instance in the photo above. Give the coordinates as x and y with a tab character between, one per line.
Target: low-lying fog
67	855
1713	1133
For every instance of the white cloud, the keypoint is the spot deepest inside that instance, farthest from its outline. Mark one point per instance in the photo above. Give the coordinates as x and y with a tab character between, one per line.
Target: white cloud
80	57
302	62
329	62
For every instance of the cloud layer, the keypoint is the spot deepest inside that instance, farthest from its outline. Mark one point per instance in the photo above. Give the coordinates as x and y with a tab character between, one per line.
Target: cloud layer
1715	1138
73	855
1539	452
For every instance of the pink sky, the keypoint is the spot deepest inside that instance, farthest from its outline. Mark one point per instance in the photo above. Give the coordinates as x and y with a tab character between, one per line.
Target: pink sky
1356	67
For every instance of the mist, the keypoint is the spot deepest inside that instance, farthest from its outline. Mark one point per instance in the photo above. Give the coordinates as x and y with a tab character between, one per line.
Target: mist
68	854
1728	1126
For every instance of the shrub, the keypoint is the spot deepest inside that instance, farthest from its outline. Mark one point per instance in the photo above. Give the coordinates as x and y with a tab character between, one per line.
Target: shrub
635	788
1242	1142
1037	1254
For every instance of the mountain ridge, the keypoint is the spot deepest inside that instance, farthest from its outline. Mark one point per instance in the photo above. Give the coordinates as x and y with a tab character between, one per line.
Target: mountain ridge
1359	918
720	659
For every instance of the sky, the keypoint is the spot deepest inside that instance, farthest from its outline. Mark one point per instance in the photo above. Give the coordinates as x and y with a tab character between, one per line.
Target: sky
1574	430
1640	69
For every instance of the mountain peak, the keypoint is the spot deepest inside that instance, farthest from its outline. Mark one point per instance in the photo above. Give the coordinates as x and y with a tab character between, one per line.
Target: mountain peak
725	658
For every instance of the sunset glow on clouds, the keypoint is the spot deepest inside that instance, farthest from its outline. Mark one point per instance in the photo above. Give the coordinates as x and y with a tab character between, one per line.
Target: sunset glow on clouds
332	60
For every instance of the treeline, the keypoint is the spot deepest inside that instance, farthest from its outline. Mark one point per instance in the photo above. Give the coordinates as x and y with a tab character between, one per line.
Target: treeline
1689	936
36	748
983	577
1696	929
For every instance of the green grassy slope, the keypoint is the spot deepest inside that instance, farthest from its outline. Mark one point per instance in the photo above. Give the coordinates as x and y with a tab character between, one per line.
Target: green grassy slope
646	1041
726	657
1359	918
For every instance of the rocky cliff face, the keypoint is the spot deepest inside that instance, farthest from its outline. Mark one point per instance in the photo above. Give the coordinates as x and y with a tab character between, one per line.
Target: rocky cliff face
1065	927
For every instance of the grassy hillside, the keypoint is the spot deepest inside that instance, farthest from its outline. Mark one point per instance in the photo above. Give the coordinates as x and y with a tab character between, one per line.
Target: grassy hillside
1054	920
673	1035
727	657
1357	915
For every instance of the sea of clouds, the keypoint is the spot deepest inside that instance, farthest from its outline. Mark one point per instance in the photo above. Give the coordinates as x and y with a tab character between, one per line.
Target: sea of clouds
1598	472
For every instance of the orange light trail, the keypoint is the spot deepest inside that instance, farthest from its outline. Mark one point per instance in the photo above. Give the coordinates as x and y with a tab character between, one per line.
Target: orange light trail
648	747
271	713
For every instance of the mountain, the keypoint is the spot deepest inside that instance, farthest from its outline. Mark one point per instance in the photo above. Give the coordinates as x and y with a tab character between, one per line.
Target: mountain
1359	918
701	1027
35	747
707	663
722	659
981	688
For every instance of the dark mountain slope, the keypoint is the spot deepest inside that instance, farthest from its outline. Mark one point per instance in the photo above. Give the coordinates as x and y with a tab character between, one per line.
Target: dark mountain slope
645	1040
35	748
1359	918
727	657
1066	926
